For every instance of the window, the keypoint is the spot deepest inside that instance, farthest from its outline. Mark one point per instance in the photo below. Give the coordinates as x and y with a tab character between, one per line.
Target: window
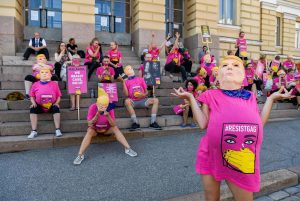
227	12
297	37
277	31
174	16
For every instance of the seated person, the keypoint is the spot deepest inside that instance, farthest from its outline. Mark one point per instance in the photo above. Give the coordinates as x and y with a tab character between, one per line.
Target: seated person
101	121
135	89
200	77
208	65
275	65
186	59
148	57
37	45
93	56
45	97
73	48
214	84
280	81
63	58
105	73
249	75
174	59
289	63
41	61
115	57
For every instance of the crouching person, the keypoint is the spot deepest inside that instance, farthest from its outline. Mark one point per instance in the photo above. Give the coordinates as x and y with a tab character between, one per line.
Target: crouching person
45	97
135	89
100	122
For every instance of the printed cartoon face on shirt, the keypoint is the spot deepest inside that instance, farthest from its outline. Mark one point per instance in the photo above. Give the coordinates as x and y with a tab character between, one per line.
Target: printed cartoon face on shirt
46	101
238	146
137	91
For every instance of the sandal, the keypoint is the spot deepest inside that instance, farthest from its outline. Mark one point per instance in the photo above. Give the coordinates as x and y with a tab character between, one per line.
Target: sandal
72	109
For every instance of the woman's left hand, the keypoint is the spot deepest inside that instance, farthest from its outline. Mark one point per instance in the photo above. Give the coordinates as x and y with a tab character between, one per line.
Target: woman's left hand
181	93
278	95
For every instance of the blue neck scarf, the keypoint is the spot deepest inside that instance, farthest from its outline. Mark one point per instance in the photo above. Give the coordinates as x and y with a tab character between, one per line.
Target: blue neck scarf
45	82
238	93
131	78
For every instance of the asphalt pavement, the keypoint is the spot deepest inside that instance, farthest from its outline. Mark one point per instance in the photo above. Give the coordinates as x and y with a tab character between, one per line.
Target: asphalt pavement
163	169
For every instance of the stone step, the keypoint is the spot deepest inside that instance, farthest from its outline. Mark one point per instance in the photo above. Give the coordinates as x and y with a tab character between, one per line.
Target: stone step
21	143
18	61
85	103
158	93
120	112
70	126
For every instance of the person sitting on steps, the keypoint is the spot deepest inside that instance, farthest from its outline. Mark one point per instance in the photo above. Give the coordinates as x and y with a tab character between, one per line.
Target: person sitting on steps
37	45
135	89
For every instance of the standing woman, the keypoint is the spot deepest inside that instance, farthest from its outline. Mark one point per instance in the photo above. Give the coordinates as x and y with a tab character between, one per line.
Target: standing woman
92	56
230	149
61	57
241	41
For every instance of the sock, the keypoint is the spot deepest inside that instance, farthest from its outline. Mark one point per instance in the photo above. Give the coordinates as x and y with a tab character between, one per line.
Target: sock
27	86
57	128
134	119
153	118
34	130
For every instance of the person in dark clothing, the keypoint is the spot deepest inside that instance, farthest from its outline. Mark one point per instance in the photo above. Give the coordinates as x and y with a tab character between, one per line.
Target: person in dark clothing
37	45
73	48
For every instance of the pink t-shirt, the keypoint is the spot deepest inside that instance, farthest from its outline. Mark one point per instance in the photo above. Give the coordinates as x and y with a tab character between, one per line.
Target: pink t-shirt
174	56
45	94
199	80
249	74
260	69
155	54
276	81
135	85
142	69
230	149
288	64
102	123
114	56
100	71
88	57
208	67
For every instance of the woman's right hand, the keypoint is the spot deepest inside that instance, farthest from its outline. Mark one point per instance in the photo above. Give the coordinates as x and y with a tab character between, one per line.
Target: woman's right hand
181	93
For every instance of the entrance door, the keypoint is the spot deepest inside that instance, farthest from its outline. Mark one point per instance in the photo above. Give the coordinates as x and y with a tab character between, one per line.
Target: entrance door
43	16
174	17
112	21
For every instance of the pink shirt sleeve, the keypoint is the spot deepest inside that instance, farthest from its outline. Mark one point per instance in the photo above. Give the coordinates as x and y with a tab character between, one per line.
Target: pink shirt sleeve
111	71
32	90
56	89
204	98
98	72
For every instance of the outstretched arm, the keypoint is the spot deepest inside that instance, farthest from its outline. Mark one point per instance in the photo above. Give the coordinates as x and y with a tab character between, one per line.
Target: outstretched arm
201	115
265	113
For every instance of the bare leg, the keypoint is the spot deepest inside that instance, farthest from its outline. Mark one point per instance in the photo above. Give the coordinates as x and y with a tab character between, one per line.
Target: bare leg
33	120
72	99
211	188
240	194
56	118
185	115
86	140
129	107
155	103
119	136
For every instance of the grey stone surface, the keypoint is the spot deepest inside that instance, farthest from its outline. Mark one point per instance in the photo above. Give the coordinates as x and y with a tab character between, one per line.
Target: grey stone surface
292	198
3	105
163	169
264	198
292	190
278	195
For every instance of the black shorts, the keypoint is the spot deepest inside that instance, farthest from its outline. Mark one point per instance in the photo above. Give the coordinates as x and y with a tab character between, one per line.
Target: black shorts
39	110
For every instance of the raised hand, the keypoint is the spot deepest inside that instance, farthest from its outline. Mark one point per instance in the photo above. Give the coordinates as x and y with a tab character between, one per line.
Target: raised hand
181	93
177	35
281	96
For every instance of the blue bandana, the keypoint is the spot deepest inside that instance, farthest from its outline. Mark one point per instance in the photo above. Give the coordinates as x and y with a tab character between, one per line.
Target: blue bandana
239	93
131	78
45	82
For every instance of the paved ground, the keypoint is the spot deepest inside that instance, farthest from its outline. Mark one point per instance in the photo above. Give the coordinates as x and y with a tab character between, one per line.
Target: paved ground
164	168
287	194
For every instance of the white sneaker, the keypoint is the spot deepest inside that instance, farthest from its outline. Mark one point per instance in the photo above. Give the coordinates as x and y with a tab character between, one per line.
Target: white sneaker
32	135
130	152
58	133
78	160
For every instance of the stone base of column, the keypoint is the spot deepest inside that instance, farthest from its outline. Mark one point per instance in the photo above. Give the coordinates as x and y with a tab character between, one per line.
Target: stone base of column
11	35
82	32
141	39
194	45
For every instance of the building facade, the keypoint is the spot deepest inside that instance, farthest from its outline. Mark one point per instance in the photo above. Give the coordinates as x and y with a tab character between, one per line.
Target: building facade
272	27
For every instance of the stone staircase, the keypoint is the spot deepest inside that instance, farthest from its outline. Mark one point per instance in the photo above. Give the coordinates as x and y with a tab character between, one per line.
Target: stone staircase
14	115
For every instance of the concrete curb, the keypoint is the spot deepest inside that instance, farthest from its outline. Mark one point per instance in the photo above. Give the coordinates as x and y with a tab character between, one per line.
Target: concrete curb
270	182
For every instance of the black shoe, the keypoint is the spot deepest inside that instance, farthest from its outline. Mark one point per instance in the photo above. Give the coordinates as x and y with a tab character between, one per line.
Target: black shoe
155	126
134	127
27	97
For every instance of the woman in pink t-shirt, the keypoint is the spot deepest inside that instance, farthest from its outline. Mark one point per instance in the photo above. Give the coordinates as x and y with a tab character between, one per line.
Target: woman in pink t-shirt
154	50
101	120
93	56
241	45
230	149
249	75
289	63
115	57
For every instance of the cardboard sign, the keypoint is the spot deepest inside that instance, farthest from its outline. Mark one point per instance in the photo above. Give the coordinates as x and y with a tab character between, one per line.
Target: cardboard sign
76	79
111	89
243	48
206	37
152	73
